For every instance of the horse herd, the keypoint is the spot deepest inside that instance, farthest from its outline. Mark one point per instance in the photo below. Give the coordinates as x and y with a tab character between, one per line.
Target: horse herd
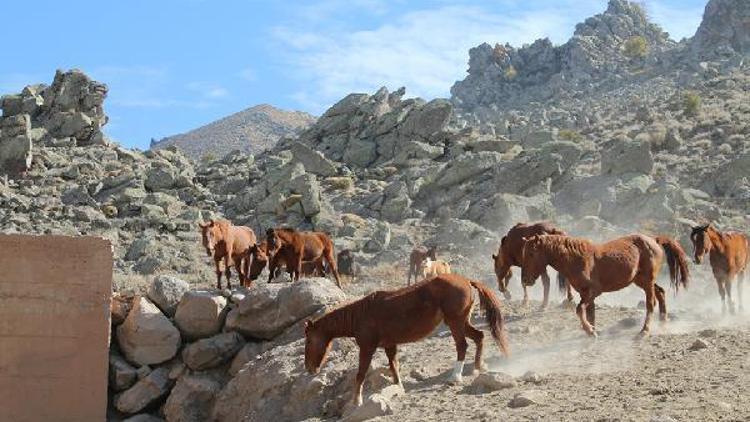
389	318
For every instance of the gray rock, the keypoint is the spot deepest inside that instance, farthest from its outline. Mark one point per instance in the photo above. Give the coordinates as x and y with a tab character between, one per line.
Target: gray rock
15	154
145	392
627	156
166	291
147	336
143	417
211	352
269	309
698	344
528	398
307	186
121	374
396	202
314	161
192	398
248	353
200	314
493	381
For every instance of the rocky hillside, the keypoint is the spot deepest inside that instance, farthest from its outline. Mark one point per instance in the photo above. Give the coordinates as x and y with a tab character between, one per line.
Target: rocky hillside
251	131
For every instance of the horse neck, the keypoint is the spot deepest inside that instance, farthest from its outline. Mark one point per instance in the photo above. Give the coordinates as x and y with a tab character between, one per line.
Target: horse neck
717	240
560	252
340	322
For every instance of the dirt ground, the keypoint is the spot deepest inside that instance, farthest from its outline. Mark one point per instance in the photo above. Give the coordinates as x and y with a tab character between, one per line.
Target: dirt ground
612	378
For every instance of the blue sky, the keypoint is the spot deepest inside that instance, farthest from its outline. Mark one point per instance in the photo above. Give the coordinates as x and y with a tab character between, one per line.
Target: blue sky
173	65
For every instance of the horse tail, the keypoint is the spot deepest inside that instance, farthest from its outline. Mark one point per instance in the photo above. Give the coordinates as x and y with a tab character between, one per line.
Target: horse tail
491	305
677	261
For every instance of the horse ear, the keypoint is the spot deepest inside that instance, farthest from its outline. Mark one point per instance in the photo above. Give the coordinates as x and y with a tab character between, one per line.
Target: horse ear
308	324
494	257
202	224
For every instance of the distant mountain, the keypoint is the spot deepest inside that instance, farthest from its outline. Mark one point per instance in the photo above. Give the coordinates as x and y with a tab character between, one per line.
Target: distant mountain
252	130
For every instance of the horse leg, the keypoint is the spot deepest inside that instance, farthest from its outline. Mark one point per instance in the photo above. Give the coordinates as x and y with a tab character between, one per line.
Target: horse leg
228	271
393	364
459	337
238	268
525	302
650	299
408	277
661	297
217	263
365	357
740	279
728	288
506	293
720	283
545	285
581	311
477	337
334	268
591	313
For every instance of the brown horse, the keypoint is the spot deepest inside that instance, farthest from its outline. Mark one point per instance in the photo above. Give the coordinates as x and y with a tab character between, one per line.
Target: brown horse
509	255
294	247
594	269
417	256
728	253
258	258
223	241
389	318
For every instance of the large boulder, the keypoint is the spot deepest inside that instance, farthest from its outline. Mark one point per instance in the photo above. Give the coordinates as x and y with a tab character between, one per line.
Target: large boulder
627	156
200	314
15	143
166	292
314	161
213	351
145	392
725	29
121	374
147	337
192	398
269	309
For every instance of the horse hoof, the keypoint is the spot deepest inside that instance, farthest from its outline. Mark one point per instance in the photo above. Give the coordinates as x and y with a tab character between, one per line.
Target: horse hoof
455	380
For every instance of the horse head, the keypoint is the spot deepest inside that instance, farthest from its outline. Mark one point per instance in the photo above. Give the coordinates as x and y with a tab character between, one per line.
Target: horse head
258	256
701	242
502	268
432	253
273	240
533	261
317	345
208	235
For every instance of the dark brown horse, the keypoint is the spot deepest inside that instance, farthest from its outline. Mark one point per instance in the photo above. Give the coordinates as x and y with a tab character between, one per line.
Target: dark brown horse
509	255
728	253
295	247
223	241
417	256
258	258
594	269
389	318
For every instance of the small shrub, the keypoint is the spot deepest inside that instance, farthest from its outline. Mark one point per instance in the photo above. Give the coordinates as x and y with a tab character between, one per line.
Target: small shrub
208	157
691	104
569	135
636	47
511	73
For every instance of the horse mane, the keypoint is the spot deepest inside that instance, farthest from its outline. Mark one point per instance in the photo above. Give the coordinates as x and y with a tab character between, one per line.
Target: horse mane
564	244
342	319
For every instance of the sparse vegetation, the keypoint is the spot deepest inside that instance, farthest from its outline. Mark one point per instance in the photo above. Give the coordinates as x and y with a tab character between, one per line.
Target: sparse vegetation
691	104
208	157
569	135
636	47
511	73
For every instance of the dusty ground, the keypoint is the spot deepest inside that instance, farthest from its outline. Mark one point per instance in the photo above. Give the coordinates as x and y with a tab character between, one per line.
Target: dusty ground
613	378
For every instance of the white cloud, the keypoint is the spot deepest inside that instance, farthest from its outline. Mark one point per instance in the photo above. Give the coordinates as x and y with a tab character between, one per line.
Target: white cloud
425	50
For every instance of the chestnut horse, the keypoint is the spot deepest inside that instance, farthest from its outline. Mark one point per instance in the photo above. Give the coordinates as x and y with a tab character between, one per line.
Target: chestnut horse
594	269
389	318
257	259
294	247
728	253
509	255
223	241
419	254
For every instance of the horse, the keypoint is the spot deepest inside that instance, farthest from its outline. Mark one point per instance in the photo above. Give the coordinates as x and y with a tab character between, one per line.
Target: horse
419	254
258	258
432	267
389	318
509	254
224	241
294	247
594	269
728	253
348	264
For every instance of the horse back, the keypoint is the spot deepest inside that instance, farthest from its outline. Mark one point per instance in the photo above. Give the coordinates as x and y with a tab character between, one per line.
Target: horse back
738	247
513	246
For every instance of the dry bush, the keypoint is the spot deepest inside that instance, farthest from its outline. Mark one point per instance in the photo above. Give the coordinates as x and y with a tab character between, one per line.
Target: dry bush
636	47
